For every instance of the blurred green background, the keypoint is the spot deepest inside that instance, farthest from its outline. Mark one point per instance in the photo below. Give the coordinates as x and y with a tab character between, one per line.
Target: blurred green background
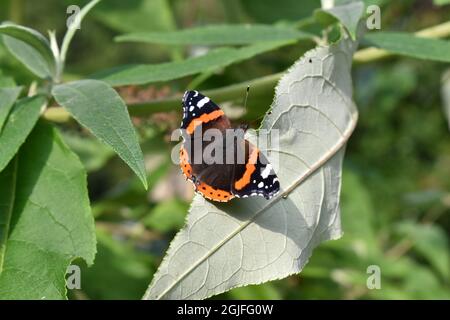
396	181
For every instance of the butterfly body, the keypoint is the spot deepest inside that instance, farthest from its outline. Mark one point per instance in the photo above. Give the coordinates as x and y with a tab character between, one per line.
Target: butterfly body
217	159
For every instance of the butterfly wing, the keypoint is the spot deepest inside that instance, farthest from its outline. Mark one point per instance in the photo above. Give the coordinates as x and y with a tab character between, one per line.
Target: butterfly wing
198	109
213	181
221	181
258	177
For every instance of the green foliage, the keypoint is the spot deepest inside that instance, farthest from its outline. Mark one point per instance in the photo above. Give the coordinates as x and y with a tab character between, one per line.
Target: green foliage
167	216
213	60
218	35
411	46
430	242
47	193
29	47
29	57
95	105
395	183
7	98
110	277
6	81
18	126
92	153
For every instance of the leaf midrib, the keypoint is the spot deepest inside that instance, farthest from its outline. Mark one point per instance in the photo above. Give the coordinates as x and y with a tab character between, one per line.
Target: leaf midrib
140	170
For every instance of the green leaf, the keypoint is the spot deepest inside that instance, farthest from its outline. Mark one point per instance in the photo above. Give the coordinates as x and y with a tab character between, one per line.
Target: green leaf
98	107
119	272
167	216
218	35
7	98
6	81
92	153
46	218
411	46
29	47
218	58
254	240
18	126
347	12
28	56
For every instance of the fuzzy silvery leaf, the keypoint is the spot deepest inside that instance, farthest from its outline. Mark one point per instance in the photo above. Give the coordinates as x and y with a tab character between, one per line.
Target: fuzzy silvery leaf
253	240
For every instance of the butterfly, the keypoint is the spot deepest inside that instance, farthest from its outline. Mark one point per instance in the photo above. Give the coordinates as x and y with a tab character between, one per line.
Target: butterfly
234	168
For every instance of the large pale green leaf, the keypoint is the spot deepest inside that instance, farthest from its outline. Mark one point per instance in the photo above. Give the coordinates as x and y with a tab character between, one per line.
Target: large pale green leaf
218	58
7	98
45	218
98	107
411	46
29	47
347	12
253	240
19	124
218	35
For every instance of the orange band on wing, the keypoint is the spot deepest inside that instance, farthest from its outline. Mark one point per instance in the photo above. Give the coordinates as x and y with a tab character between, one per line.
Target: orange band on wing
214	194
249	169
184	163
204	118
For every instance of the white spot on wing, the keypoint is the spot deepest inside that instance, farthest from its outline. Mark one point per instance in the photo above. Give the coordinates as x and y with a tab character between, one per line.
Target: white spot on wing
261	184
265	173
202	102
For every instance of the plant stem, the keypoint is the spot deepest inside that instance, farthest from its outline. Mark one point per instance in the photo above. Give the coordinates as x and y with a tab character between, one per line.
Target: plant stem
16	11
259	86
69	35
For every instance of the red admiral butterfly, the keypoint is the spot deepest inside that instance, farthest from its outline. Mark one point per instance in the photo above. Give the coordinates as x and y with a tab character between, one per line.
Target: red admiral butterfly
221	180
